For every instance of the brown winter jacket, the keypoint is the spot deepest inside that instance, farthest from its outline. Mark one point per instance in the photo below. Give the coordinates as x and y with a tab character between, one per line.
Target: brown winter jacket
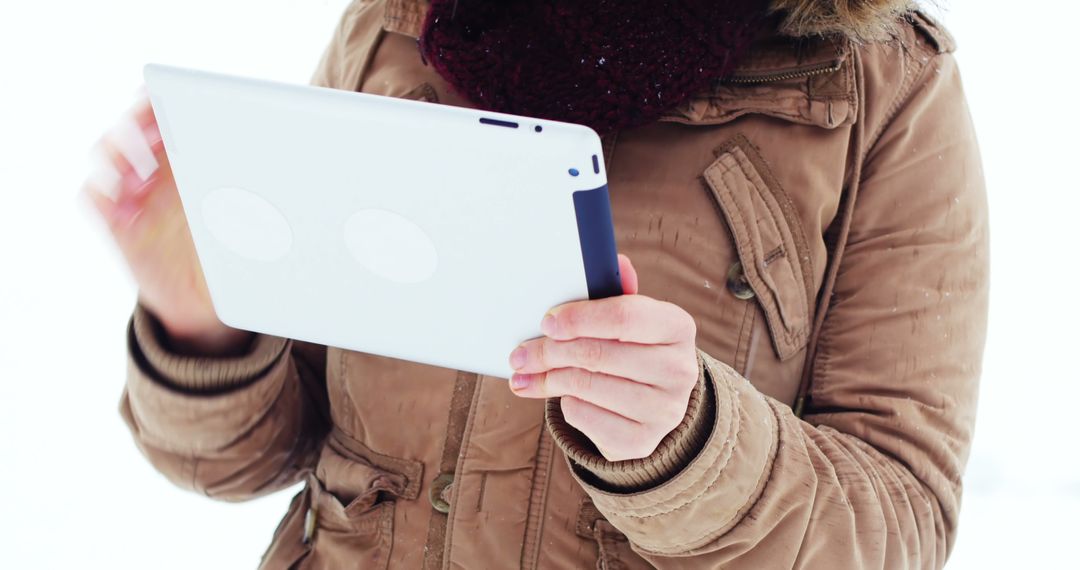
821	214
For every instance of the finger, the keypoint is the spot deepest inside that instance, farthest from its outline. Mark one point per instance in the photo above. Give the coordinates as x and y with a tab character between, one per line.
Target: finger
131	183
116	215
105	151
142	109
115	186
629	399
103	175
128	138
617	438
628	275
144	115
652	364
134	143
629	318
104	205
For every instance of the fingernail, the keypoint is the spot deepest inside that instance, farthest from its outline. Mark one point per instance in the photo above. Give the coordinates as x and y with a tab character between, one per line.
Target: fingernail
547	326
518	357
520	381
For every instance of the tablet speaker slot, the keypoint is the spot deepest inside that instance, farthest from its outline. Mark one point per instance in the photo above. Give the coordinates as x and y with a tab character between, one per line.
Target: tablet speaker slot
498	123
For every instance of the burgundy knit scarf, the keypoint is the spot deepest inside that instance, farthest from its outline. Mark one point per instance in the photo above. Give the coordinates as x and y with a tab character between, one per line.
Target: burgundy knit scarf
608	64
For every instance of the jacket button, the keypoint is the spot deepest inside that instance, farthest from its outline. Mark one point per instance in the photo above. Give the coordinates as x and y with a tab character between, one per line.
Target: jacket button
438	490
737	284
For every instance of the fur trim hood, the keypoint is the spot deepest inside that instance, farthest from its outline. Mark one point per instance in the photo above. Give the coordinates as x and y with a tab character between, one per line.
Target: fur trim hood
855	19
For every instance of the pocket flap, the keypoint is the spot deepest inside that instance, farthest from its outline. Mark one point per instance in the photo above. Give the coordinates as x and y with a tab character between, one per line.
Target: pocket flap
769	238
350	480
353	470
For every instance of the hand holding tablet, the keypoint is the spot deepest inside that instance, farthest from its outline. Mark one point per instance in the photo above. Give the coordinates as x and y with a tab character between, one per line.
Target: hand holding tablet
623	368
298	245
406	229
134	193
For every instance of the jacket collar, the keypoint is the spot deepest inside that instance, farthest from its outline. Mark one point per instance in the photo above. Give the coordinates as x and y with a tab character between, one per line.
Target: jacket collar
805	82
808	81
405	16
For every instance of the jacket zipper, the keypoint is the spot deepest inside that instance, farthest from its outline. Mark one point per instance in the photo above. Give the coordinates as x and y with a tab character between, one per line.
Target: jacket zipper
784	75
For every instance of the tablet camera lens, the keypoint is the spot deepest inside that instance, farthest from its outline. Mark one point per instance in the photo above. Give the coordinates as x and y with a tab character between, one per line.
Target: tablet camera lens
538	128
574	172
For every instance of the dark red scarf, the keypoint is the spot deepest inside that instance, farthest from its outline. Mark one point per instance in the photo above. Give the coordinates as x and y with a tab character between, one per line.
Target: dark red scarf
608	64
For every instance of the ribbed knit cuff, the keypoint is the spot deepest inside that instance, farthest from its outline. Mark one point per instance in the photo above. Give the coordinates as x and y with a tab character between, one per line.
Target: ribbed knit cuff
674	453
198	373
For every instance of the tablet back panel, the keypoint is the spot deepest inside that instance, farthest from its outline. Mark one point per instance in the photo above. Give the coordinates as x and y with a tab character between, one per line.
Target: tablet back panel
406	229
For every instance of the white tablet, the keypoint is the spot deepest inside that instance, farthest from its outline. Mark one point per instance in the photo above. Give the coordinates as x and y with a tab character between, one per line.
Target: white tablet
412	230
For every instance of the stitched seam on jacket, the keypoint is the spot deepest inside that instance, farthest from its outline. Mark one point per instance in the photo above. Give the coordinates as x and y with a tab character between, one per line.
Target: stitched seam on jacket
823	352
466	437
534	525
464	387
346	409
742	346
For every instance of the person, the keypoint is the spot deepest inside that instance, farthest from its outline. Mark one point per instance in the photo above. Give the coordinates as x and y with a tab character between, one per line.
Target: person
789	381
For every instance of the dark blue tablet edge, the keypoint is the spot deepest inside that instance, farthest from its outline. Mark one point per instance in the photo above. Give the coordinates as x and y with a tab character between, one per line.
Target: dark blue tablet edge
597	234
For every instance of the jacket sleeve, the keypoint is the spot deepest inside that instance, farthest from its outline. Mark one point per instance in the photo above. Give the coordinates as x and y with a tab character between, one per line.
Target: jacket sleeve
241	426
872	477
231	427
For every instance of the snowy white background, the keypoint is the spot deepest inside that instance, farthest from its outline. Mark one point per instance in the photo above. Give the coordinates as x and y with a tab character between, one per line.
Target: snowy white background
75	493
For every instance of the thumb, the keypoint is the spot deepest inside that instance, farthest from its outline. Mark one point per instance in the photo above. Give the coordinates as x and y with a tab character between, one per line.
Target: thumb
629	276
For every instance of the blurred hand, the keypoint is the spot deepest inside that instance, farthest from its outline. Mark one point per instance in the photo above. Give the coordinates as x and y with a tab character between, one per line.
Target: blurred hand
624	368
135	194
